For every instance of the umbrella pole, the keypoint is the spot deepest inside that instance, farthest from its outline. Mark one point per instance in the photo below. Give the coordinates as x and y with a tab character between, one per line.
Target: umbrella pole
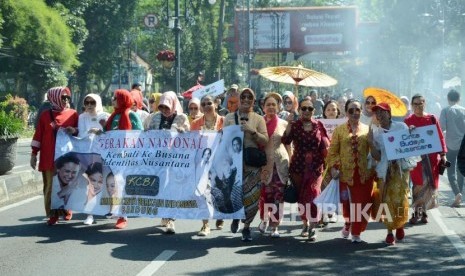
296	91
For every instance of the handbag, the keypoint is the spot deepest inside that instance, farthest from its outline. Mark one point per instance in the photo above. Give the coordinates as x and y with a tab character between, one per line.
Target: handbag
328	201
254	157
290	193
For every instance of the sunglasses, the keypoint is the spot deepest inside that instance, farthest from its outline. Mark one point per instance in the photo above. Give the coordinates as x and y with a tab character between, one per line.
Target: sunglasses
151	101
417	104
370	103
353	110
205	104
244	119
246	97
193	108
286	102
65	98
307	108
90	103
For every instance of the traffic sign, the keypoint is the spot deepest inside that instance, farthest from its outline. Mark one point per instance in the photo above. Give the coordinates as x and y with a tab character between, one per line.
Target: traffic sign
151	20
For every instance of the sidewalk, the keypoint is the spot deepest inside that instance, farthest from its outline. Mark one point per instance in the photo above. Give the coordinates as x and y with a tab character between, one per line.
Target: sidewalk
20	183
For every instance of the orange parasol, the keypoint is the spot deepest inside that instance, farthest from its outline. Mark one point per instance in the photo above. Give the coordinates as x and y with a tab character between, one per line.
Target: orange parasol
297	75
398	108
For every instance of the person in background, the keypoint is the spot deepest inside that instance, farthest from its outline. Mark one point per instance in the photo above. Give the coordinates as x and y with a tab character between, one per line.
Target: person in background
311	143
194	109
170	117
255	135
209	121
347	160
123	118
427	170
367	116
291	106
452	120
44	106
232	98
317	103
137	107
44	139
275	173
136	93
341	103
392	180
154	100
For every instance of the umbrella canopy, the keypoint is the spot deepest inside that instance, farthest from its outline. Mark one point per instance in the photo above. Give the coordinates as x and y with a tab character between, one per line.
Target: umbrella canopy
398	107
188	94
297	75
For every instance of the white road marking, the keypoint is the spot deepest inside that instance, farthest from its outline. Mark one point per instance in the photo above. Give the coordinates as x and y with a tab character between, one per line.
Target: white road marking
19	203
450	234
159	261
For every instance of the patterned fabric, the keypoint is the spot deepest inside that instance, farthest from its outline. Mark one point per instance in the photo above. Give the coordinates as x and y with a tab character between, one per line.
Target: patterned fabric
273	193
341	154
170	100
434	158
154	121
394	193
54	97
309	147
251	193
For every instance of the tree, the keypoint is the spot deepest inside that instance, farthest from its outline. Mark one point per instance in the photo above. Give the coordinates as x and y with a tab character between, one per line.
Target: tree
36	39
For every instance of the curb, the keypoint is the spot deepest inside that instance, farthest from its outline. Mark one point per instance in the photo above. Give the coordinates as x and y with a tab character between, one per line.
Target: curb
20	185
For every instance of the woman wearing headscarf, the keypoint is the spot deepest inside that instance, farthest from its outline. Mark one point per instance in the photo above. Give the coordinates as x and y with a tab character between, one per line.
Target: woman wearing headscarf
194	109
170	116
275	173
123	118
425	176
392	179
93	118
291	106
44	139
255	135
209	121
91	121
154	100
347	160
311	144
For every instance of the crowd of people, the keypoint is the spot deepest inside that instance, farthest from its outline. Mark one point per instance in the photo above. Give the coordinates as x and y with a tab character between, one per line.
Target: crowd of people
299	150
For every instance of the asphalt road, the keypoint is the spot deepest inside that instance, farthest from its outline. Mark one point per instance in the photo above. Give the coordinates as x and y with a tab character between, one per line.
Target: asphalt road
29	247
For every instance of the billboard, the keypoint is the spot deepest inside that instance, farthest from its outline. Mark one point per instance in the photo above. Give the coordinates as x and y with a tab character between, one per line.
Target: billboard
298	30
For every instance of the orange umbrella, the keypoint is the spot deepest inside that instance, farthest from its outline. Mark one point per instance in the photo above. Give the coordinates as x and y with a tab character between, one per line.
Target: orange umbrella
398	108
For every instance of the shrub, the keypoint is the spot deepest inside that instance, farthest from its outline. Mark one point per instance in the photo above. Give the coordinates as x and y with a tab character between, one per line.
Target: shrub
10	126
15	106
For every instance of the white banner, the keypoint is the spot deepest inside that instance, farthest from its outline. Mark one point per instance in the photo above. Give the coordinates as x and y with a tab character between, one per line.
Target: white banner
402	143
331	124
157	173
214	89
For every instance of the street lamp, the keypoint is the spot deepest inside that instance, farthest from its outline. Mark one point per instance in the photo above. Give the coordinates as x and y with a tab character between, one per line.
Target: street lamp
175	24
438	12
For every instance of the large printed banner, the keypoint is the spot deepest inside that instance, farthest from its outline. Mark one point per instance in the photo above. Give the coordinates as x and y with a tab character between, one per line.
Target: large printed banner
402	143
157	173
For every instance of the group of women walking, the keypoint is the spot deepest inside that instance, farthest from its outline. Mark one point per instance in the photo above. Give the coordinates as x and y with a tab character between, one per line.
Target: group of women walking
298	150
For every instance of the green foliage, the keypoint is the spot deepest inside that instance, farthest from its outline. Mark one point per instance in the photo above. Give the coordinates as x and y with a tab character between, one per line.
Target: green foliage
37	32
16	107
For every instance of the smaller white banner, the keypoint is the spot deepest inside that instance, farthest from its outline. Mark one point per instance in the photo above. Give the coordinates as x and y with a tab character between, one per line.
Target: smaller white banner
331	124
421	140
214	89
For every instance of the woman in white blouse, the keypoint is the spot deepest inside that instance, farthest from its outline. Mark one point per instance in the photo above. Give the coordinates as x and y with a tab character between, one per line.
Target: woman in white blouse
91	121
